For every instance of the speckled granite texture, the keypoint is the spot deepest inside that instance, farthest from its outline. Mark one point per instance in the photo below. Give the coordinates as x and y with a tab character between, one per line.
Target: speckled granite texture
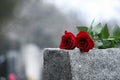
97	64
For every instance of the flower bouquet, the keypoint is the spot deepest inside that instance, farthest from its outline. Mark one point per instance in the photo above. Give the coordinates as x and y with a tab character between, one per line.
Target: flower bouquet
97	36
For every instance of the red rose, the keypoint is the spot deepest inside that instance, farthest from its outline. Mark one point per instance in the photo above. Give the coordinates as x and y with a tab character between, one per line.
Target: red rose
68	41
84	41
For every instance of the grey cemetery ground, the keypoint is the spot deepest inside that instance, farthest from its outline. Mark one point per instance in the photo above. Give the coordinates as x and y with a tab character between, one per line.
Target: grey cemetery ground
97	64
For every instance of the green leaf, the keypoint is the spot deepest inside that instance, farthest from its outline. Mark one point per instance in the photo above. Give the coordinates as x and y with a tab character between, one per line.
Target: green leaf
105	32
107	44
116	31
91	34
98	28
82	28
101	47
98	43
91	26
90	29
111	38
118	44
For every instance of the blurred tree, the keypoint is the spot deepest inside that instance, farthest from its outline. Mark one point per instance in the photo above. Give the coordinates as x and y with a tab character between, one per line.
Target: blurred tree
7	8
6	13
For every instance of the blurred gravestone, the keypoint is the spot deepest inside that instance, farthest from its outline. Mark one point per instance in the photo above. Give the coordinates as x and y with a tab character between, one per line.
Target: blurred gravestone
97	64
32	59
3	66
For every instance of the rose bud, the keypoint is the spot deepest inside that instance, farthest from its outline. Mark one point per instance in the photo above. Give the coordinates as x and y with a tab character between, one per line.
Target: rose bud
67	41
84	41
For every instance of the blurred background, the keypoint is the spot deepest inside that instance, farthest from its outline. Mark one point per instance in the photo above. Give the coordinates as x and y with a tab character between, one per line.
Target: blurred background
29	26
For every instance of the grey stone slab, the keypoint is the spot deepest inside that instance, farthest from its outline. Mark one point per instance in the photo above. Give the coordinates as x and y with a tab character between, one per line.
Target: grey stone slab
97	64
56	65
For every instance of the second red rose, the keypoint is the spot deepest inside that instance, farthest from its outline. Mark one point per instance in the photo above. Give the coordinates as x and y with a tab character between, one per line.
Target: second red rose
84	41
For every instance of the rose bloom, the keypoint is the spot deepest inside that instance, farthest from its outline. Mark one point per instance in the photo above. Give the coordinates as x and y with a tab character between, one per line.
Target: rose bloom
84	41
67	41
